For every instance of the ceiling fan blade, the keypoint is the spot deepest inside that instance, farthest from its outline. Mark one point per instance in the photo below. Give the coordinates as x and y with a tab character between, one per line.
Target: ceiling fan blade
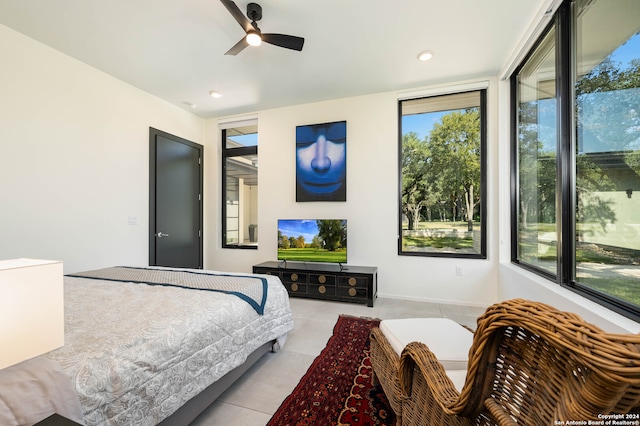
238	15
284	40
238	47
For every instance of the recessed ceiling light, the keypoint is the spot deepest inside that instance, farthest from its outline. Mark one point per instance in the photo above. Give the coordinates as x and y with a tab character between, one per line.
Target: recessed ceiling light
425	55
215	94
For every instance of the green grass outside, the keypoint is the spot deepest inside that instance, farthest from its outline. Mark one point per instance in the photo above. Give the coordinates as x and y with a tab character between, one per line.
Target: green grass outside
587	253
447	242
438	242
313	255
625	288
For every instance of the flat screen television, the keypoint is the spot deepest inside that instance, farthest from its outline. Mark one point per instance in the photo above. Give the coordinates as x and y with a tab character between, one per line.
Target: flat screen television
312	240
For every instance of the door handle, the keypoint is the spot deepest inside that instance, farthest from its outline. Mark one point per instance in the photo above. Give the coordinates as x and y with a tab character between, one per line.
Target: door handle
160	235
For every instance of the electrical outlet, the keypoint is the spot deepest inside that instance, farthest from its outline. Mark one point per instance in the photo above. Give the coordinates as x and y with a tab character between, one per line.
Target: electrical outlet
459	271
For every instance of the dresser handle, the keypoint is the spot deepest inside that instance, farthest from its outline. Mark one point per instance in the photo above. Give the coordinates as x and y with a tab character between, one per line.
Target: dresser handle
322	289
352	281
322	279
294	277
294	287
353	292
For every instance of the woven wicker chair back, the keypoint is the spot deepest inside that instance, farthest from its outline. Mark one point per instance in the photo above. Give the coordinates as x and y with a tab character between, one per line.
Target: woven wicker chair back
530	364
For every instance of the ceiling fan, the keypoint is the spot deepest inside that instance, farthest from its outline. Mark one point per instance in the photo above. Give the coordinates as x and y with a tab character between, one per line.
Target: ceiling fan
253	35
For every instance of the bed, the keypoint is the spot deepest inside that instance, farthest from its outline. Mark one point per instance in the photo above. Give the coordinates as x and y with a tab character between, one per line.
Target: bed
145	346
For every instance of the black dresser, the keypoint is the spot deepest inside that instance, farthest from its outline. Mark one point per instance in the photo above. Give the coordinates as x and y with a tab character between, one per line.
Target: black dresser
344	283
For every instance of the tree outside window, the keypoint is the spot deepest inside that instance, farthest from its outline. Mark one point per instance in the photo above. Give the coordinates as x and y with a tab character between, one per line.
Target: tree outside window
577	153
442	176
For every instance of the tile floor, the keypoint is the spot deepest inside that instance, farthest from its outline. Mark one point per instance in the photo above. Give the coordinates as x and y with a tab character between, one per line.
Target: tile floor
257	395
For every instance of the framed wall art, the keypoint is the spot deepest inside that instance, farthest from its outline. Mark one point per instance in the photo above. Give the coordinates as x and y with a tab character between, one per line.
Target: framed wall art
321	162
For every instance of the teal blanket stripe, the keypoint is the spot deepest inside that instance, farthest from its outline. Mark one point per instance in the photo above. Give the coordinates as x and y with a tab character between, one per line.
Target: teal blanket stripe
258	306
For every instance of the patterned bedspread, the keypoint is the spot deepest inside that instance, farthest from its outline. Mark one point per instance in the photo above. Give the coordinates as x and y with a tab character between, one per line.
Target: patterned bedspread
138	352
251	289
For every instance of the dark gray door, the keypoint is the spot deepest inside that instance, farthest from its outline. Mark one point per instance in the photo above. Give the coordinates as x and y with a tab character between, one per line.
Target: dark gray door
175	210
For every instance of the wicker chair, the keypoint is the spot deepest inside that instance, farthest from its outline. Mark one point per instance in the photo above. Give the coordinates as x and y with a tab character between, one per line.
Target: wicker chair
448	341
529	364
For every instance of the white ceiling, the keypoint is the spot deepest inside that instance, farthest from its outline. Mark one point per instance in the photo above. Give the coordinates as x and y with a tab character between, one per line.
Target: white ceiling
175	49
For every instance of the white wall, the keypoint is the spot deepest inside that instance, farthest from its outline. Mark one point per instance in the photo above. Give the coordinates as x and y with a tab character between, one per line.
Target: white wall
371	208
74	154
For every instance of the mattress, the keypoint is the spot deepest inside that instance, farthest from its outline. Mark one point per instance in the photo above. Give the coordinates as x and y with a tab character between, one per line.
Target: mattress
137	352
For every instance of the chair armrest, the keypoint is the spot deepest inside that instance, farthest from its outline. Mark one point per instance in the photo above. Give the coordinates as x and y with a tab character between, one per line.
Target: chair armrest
386	367
389	355
497	412
417	358
436	394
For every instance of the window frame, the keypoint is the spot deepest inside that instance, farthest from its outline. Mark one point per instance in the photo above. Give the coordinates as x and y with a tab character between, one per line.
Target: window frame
514	158
565	43
228	153
482	91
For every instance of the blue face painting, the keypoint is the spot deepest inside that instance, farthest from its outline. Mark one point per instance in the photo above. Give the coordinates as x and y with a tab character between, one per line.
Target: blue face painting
321	162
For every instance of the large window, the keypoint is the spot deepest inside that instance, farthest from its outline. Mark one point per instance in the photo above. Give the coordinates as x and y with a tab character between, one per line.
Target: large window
536	159
240	185
442	176
576	153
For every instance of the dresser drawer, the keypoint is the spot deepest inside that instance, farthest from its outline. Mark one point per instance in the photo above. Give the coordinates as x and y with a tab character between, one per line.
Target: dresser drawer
360	282
320	291
355	293
297	288
322	279
294	277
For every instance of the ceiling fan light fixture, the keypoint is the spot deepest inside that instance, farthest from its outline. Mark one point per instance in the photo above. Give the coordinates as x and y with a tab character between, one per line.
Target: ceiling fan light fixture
425	55
215	94
253	38
253	35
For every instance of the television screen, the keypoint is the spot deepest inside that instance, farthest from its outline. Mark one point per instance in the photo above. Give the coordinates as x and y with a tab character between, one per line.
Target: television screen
307	240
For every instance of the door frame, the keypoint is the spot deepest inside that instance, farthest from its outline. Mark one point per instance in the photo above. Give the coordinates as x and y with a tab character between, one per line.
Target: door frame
153	134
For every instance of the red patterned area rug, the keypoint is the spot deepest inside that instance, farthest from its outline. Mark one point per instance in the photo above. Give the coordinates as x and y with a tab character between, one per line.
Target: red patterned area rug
337	388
